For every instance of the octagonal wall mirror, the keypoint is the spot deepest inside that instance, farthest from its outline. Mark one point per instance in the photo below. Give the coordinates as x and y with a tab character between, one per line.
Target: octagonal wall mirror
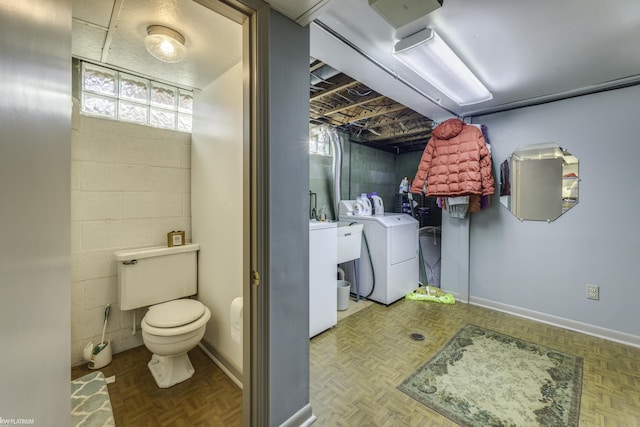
539	182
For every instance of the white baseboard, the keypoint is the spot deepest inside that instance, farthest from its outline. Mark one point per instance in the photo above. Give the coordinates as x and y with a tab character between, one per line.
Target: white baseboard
459	297
221	365
585	328
303	418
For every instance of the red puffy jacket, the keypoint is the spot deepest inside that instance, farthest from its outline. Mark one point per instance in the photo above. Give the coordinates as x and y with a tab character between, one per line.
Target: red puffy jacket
455	162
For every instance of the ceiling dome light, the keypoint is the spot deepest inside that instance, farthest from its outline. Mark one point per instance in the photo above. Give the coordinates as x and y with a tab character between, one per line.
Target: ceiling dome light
165	44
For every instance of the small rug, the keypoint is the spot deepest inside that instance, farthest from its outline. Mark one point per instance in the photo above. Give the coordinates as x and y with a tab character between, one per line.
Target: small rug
484	378
90	403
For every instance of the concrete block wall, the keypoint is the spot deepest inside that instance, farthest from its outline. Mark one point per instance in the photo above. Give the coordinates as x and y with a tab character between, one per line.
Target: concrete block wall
371	170
130	186
407	165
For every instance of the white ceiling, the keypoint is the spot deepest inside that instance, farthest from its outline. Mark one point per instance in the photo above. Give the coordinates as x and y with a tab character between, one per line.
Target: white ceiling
112	32
524	51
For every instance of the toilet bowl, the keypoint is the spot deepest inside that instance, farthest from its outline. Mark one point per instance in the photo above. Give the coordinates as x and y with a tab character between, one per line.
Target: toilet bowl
169	331
160	278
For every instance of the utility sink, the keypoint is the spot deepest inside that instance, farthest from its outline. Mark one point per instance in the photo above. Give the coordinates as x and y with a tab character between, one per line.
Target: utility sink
319	225
349	241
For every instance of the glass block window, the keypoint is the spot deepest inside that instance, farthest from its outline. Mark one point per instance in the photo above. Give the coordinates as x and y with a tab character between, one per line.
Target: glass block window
319	142
134	88
132	112
162	118
185	122
116	95
185	101
99	80
99	105
164	96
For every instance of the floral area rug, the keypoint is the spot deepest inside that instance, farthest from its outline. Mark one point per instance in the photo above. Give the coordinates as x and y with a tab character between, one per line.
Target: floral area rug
484	378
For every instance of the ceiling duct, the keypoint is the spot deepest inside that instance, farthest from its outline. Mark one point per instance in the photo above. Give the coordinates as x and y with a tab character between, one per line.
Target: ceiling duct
322	74
400	13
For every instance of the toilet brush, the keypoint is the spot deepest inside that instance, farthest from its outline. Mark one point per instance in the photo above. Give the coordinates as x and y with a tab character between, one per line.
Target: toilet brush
99	347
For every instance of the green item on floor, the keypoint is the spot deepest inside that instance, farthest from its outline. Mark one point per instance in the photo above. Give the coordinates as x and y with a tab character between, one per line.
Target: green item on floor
430	293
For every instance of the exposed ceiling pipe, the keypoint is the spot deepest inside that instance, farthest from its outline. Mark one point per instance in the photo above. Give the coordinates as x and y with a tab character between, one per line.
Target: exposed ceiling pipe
330	134
441	110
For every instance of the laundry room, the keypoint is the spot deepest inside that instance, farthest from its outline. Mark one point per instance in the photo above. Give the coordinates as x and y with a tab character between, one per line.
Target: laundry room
378	177
339	165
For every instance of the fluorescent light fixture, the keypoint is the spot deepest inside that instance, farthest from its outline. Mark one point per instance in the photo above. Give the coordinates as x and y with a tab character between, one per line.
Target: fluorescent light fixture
427	55
165	44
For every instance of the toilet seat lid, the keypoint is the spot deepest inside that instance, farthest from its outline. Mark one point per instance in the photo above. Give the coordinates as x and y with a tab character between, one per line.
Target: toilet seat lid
174	313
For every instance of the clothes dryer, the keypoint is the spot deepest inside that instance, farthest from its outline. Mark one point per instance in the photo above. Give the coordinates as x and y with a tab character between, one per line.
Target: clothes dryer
392	251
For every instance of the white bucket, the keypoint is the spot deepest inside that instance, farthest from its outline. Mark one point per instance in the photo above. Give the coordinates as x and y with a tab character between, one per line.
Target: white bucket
344	288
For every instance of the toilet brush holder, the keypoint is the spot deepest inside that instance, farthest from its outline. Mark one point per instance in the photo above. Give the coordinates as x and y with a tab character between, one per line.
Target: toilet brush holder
98	356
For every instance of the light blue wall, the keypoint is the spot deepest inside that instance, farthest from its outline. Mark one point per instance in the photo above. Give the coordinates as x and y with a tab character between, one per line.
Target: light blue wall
288	224
545	267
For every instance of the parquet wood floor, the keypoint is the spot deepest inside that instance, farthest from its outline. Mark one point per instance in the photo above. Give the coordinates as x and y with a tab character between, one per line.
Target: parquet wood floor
356	366
209	398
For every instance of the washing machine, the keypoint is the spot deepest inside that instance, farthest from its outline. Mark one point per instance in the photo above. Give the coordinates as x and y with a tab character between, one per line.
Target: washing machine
392	241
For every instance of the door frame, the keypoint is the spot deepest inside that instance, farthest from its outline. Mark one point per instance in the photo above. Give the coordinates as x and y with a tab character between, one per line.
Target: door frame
253	15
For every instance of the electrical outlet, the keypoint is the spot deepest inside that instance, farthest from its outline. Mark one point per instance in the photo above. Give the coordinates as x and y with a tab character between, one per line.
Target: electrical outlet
593	292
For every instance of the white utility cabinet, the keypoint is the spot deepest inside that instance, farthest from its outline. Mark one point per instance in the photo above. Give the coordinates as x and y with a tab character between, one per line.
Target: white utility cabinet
323	285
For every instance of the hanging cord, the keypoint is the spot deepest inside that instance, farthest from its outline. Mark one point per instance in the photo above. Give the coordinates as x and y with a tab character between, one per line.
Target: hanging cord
413	215
435	243
432	268
373	273
422	263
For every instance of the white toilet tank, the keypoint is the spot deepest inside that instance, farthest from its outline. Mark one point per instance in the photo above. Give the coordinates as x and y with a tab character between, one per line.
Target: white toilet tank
150	276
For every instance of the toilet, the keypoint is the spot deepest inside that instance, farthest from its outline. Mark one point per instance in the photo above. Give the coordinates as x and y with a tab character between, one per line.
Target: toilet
162	278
